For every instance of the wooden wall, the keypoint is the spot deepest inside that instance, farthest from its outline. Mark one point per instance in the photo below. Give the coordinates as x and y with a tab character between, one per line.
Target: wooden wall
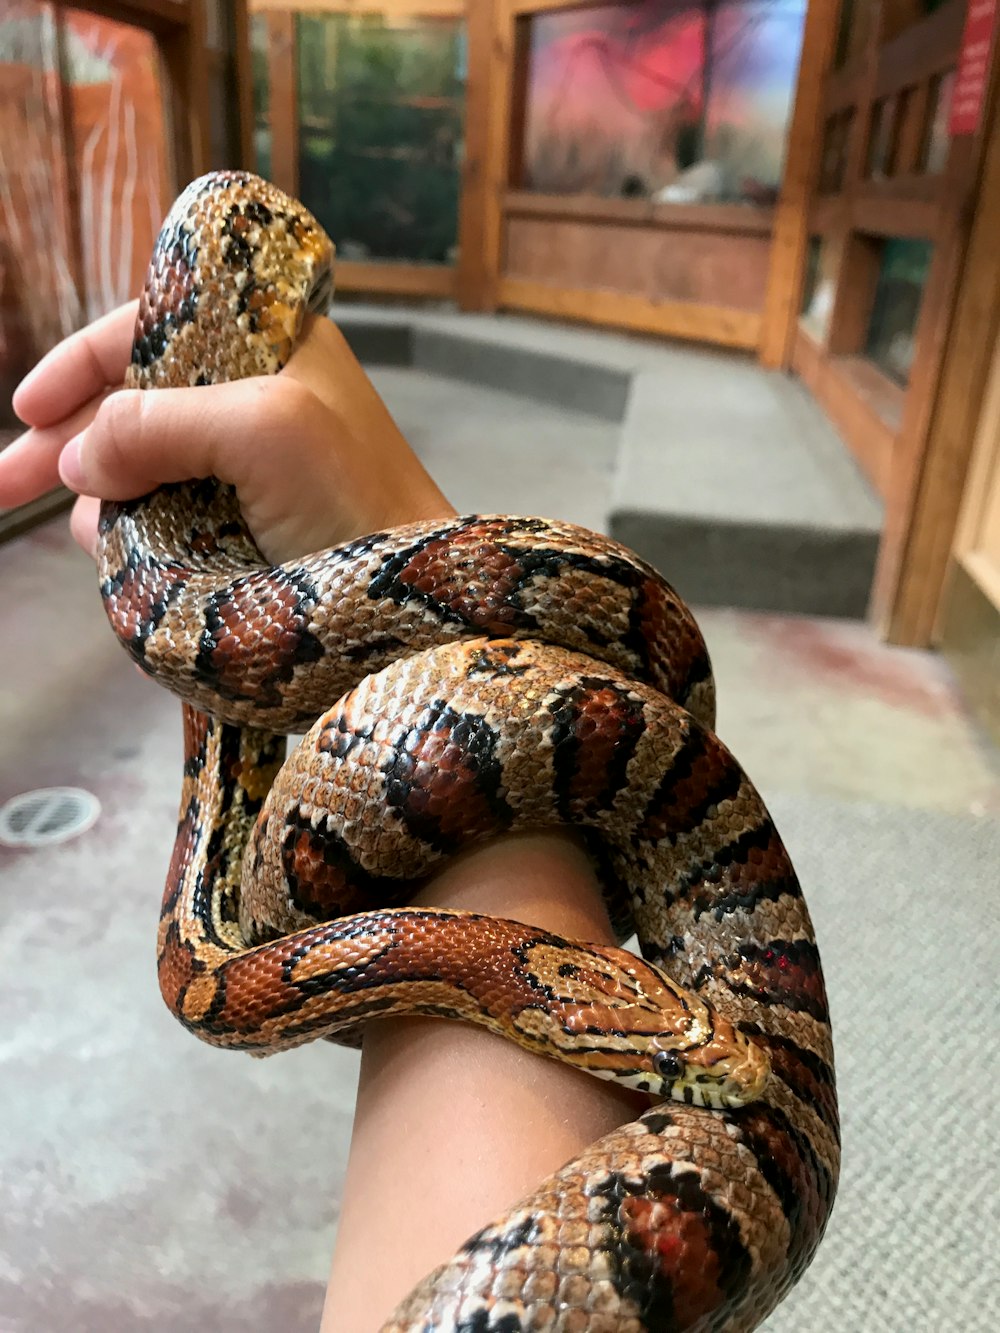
872	178
688	270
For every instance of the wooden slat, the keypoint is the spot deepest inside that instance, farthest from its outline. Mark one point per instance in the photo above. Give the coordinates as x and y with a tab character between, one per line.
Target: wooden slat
881	214
675	319
185	67
389	9
243	71
928	489
487	171
476	269
282	73
738	218
922	50
159	16
68	202
547	6
834	383
791	234
396	279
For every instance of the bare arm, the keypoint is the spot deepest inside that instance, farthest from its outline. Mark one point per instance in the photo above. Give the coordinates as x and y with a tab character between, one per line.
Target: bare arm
452	1124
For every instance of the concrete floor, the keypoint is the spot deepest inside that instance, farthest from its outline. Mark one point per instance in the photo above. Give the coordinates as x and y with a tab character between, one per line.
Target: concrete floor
150	1182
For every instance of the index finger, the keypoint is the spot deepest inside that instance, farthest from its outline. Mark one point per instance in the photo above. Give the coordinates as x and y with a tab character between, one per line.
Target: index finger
82	366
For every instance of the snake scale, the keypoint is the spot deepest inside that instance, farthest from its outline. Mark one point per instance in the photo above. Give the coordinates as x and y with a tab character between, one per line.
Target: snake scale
475	677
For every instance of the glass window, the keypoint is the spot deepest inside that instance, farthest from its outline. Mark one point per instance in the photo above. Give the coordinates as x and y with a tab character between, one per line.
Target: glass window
672	100
899	290
78	253
937	140
819	288
380	133
833	160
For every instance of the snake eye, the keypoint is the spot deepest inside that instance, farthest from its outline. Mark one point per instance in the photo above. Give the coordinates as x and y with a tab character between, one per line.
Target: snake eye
668	1064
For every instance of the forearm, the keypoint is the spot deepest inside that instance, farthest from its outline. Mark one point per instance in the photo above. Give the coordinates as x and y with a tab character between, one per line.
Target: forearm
453	1124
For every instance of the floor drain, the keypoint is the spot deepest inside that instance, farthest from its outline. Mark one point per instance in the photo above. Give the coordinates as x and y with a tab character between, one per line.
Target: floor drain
49	815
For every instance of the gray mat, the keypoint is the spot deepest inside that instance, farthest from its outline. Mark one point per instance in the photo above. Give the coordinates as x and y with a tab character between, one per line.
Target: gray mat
905	906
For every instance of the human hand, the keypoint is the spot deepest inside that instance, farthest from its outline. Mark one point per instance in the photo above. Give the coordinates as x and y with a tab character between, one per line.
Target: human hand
314	455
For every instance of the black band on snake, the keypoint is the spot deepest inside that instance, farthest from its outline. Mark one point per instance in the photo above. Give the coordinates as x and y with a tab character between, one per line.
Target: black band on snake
473	678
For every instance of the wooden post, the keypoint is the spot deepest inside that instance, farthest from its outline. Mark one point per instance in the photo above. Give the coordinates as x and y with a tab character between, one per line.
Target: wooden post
186	69
486	168
69	200
282	73
791	223
243	73
925	504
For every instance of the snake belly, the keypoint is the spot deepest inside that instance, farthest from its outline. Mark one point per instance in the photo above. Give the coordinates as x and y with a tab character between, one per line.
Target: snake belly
461	680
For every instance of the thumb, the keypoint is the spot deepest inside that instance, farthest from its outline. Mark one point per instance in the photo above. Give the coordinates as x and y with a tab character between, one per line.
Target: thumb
140	439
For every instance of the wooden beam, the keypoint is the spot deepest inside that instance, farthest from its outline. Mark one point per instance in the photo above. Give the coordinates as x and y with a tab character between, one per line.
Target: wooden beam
396	279
243	73
836	384
921	50
388	9
486	170
185	66
928	491
741	219
791	233
282	74
547	6
159	16
879	213
68	201
674	319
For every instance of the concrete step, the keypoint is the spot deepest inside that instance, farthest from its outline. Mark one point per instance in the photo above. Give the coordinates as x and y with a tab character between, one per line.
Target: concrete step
728	478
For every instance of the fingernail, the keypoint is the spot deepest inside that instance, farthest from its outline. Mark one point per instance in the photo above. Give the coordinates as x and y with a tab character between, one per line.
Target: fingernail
70	467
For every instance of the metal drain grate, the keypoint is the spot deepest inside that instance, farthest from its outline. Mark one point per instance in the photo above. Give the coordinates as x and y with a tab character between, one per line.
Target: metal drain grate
49	815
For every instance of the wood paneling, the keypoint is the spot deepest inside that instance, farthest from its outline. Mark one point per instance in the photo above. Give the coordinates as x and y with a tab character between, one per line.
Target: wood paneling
841	392
283	99
394	279
709	268
921	50
928	492
486	173
243	72
675	319
402	9
791	236
741	219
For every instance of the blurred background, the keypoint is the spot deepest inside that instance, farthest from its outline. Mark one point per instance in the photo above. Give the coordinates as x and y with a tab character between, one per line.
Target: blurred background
719	277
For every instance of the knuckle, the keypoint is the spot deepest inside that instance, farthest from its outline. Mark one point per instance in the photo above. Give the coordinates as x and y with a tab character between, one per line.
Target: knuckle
119	420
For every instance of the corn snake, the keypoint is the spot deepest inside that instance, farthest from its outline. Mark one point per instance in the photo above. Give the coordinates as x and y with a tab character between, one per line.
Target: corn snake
494	675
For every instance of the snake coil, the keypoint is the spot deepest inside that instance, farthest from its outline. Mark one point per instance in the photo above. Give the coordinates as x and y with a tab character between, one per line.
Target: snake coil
487	675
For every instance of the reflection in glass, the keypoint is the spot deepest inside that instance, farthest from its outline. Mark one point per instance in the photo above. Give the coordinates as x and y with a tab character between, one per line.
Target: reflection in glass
83	174
937	140
902	275
380	133
673	100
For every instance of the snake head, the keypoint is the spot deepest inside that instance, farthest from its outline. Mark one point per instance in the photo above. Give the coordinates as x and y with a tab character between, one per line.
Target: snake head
726	1070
